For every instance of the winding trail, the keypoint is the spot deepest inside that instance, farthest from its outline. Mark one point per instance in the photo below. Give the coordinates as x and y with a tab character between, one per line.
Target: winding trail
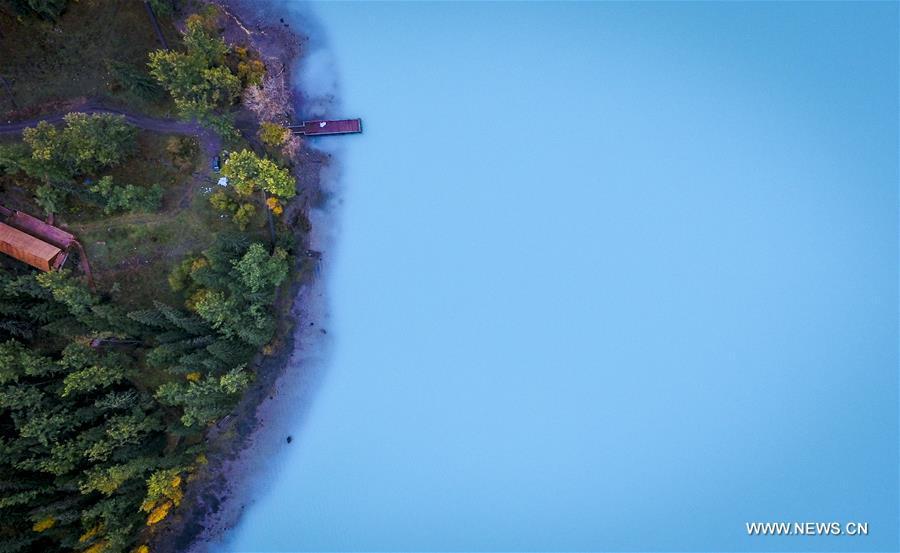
210	142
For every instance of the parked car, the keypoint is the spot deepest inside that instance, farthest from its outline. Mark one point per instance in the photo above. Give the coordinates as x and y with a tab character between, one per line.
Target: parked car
216	165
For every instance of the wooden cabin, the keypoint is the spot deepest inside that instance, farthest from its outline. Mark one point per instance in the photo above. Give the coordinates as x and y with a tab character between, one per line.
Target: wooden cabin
30	250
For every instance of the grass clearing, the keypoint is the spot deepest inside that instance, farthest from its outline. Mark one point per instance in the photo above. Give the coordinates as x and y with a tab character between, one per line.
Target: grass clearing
48	62
132	254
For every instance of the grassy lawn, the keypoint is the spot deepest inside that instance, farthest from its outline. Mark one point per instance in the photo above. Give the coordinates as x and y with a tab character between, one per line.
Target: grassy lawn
131	254
47	62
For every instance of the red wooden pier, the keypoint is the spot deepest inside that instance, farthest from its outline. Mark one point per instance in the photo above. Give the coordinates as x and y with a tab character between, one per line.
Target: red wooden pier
318	127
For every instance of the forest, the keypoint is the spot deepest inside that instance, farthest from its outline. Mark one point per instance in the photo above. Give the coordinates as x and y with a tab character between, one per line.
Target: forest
107	387
88	452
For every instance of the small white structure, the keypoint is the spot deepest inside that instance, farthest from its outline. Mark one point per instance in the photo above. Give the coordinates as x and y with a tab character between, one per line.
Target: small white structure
223	181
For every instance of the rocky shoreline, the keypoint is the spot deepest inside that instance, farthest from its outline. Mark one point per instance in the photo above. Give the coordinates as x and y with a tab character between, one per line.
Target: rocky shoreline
241	445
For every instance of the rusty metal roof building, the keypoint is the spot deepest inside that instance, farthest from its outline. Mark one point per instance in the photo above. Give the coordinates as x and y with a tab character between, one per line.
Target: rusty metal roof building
39	229
28	249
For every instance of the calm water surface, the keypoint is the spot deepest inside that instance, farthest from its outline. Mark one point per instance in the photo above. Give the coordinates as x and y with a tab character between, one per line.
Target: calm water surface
608	277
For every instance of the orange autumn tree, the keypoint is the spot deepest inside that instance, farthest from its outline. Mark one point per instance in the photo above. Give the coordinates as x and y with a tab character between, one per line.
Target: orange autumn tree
274	204
163	492
44	524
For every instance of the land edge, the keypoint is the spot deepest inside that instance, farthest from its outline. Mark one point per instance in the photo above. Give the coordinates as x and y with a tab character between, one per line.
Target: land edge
216	495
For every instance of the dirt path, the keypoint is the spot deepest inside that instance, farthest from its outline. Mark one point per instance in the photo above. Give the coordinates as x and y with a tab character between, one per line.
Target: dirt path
155	23
210	142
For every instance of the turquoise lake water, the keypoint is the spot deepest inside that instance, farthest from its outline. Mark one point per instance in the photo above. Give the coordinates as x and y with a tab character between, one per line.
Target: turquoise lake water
616	277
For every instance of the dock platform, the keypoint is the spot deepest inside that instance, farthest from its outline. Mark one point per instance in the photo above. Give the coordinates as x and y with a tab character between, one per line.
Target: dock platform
320	127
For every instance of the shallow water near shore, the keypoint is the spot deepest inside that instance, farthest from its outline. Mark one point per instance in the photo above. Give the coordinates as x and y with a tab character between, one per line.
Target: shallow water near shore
608	276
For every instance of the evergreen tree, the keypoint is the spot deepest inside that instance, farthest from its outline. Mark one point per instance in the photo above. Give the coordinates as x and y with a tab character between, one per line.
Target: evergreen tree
206	400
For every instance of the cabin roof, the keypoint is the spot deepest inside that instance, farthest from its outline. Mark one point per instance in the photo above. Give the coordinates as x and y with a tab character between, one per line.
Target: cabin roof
25	247
41	230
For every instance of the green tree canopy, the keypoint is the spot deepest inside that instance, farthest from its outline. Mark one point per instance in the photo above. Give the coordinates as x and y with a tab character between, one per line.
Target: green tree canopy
206	400
248	172
198	79
128	197
260	271
84	145
273	134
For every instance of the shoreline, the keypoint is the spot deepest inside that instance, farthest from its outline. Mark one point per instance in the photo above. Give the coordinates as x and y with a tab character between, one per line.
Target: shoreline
242	446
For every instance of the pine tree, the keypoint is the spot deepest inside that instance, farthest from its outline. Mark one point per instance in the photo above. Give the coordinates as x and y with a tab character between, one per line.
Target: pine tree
182	320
